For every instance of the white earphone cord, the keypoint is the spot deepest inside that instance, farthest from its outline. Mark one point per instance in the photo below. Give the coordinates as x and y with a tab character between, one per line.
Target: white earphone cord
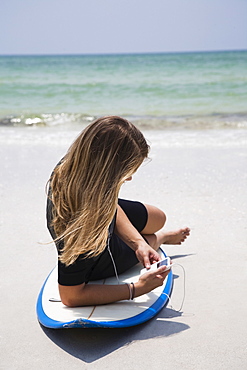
169	298
113	262
183	299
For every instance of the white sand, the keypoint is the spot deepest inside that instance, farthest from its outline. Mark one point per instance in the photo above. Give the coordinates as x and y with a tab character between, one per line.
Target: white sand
199	180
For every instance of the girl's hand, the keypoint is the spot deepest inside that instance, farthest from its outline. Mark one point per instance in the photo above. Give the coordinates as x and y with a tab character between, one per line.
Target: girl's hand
151	280
147	255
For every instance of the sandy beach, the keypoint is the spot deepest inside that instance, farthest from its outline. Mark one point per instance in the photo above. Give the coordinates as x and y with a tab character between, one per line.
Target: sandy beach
199	179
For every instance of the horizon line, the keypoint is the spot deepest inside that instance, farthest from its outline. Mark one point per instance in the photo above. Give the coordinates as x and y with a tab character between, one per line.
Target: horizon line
124	53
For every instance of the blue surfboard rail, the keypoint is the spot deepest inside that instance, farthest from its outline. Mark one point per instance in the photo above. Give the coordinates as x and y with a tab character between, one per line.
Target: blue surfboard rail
146	315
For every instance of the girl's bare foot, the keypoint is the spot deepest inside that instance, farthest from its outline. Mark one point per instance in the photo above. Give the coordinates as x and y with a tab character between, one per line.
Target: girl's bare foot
172	237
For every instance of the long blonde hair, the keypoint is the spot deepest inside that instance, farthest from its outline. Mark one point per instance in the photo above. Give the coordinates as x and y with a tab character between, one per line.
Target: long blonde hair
85	185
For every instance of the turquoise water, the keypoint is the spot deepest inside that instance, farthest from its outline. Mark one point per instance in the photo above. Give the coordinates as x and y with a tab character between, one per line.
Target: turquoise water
154	90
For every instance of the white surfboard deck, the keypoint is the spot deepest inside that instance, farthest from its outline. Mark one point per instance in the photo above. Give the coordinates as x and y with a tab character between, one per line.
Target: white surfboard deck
53	314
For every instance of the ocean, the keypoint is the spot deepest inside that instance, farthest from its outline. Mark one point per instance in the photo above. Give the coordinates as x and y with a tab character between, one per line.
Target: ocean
198	90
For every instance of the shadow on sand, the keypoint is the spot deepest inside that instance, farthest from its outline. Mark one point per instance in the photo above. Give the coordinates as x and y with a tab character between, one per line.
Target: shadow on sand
92	344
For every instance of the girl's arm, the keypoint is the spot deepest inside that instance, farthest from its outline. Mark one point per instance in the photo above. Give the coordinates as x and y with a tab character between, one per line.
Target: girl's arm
128	233
95	294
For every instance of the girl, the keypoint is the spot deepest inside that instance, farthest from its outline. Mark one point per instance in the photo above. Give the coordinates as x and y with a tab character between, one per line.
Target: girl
96	233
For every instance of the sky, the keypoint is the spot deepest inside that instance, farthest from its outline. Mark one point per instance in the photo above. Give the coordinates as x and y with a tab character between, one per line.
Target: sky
121	26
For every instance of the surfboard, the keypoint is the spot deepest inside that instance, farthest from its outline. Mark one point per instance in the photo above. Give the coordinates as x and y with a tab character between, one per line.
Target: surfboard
53	314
